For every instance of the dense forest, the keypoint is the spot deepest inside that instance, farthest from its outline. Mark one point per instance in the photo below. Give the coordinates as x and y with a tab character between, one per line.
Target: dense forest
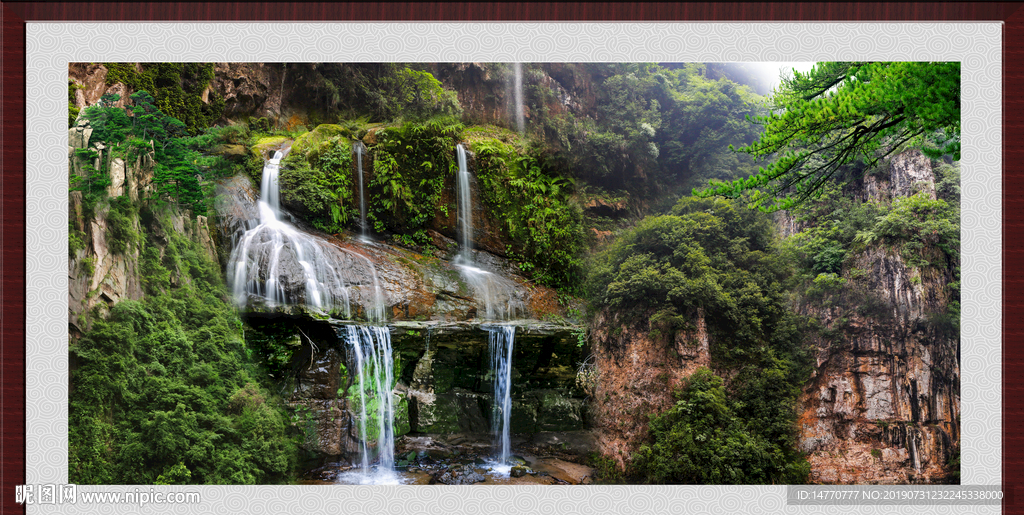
709	284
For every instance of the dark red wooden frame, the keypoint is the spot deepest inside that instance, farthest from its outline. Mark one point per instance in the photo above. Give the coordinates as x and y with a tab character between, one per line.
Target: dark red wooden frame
12	159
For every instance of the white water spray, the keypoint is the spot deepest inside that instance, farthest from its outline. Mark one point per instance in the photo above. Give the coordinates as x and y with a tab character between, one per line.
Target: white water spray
465	202
275	262
360	149
500	342
375	381
499	296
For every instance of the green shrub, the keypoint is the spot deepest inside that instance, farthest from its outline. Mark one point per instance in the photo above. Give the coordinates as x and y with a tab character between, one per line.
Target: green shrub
121	235
411	164
541	220
165	391
75	240
320	184
702	439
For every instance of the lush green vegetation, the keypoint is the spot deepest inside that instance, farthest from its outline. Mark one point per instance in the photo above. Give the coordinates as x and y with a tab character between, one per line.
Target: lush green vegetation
708	438
411	165
176	88
657	131
718	257
841	112
383	91
182	169
542	221
164	390
320	185
838	228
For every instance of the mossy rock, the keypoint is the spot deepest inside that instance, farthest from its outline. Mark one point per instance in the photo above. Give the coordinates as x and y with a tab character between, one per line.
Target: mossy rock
233	153
264	145
559	412
440	416
523	418
310	140
480	132
401	425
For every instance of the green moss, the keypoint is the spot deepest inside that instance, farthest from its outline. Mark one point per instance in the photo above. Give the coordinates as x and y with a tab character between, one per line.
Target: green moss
401	424
310	140
440	416
263	144
476	133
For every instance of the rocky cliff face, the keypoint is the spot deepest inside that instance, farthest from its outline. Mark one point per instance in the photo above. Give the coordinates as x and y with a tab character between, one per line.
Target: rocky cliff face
884	403
414	287
97	276
486	92
248	89
638	368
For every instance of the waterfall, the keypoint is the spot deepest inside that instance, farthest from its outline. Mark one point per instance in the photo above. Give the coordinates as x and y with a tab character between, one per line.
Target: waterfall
277	263
499	296
360	149
375	377
465	202
500	342
520	120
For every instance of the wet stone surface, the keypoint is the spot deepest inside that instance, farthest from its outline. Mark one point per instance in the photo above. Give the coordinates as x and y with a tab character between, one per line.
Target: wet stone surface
467	459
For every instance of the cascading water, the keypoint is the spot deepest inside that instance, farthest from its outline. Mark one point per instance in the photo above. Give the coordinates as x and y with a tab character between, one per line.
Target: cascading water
375	378
500	340
520	118
360	149
465	202
497	294
281	265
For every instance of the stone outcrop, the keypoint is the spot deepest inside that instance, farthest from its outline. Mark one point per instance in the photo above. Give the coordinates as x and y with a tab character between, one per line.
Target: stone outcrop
883	405
249	89
98	277
638	367
444	382
414	286
485	91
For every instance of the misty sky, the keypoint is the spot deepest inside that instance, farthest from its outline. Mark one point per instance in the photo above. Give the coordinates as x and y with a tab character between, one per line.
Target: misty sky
773	69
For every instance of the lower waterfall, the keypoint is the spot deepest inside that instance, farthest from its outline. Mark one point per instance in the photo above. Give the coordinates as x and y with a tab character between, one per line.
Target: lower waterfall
500	340
376	408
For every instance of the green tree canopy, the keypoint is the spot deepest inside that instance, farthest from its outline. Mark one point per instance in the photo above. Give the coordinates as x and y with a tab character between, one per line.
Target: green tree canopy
837	113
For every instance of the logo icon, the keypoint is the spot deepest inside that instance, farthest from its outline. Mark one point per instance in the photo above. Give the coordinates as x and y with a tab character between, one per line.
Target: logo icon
46	494
23	494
